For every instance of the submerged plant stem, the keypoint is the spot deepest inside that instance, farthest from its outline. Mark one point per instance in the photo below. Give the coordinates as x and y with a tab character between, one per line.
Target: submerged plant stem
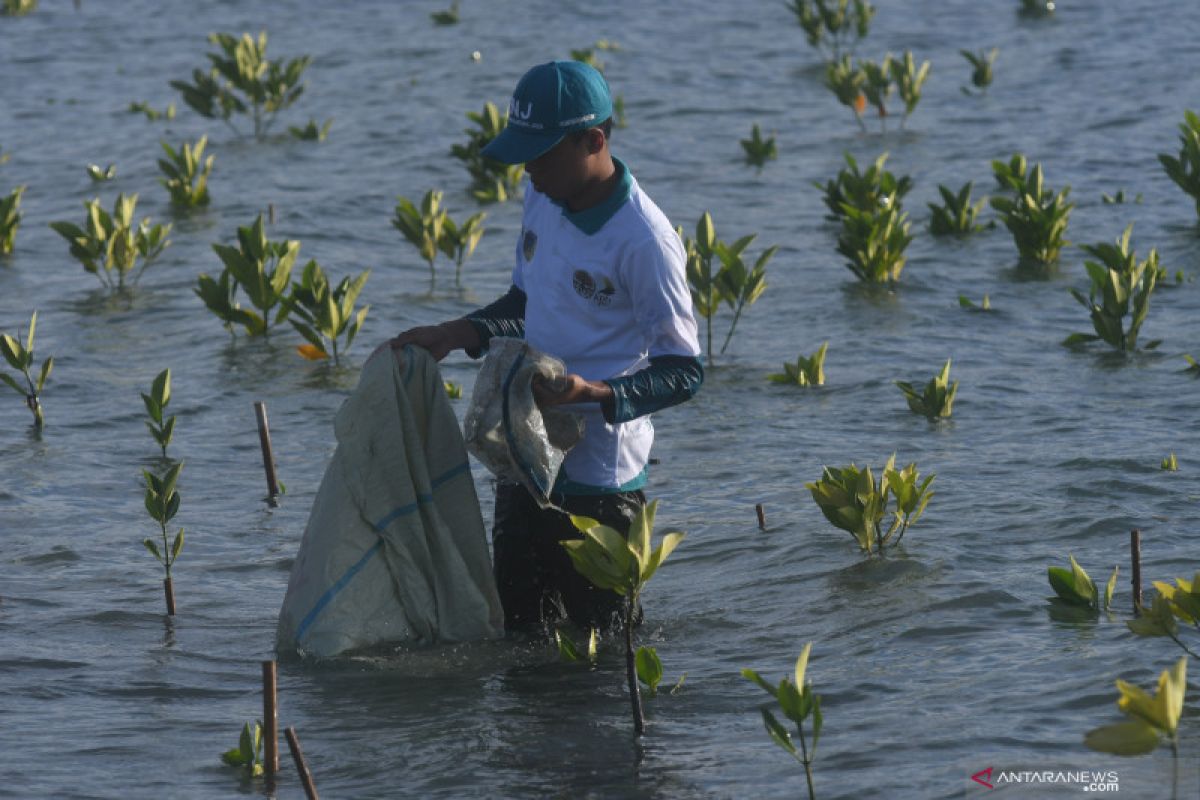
635	695
806	761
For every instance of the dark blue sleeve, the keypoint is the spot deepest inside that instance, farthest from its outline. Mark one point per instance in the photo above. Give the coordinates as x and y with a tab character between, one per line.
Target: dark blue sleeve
668	381
504	317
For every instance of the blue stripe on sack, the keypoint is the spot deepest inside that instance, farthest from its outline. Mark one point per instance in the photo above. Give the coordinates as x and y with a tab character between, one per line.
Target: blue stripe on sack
379	526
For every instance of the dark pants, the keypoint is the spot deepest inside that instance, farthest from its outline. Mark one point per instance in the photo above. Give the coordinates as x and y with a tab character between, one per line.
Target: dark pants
536	579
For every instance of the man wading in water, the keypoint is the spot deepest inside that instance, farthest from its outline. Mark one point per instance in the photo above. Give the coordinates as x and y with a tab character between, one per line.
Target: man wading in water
600	282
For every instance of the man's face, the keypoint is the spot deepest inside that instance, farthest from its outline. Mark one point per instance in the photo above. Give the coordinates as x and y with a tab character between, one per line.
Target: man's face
561	171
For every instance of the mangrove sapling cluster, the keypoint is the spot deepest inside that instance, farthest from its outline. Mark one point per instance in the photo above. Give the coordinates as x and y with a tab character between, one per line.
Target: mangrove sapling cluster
249	752
186	175
957	216
623	565
10	219
1036	8
965	302
447	17
734	283
1171	606
491	181
853	500
875	229
110	246
1034	215
798	702
20	357
759	150
326	313
1170	463
1185	170
17	8
431	230
569	651
262	269
1122	284
1120	198
162	503
312	132
981	69
833	26
1151	719
937	399
244	81
859	84
99	175
1075	590
151	113
807	371
871	190
161	427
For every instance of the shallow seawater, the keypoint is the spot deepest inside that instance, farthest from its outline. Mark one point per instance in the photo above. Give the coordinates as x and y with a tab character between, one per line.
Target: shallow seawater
934	663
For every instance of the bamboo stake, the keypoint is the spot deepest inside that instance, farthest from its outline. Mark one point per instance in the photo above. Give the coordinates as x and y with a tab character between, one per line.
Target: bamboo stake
169	590
270	721
264	438
762	518
1135	555
310	788
271	213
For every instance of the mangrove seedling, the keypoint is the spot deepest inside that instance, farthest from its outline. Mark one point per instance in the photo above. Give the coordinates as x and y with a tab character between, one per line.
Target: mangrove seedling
1171	605
981	68
326	313
759	150
447	17
243	80
113	244
872	190
459	241
807	371
569	651
1120	281
162	503
853	500
967	303
957	216
1170	463
733	283
151	113
847	81
17	8
491	181
248	753
454	391
20	357
877	86
1074	587
1185	170
186	176
909	78
312	132
1036	8
262	269
1119	198
1035	215
798	702
1193	365
161	427
10	219
937	400
100	175
833	26
1152	719
422	227
874	242
624	565
4	157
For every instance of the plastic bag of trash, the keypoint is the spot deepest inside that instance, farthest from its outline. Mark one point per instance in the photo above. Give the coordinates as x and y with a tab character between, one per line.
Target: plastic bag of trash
505	429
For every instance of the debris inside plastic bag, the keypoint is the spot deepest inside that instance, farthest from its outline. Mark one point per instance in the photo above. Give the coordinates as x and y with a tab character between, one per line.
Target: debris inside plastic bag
505	429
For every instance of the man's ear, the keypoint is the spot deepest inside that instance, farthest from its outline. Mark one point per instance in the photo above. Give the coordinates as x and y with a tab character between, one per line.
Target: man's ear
596	141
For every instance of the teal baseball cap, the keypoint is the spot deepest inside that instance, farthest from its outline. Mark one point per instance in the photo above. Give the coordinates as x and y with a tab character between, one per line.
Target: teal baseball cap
550	101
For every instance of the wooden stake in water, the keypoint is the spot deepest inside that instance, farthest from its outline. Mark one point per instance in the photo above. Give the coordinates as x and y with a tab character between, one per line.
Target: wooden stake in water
271	213
169	591
270	721
264	438
762	518
1135	555
310	788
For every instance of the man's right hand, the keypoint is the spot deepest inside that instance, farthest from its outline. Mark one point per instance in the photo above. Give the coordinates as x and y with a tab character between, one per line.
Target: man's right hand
439	340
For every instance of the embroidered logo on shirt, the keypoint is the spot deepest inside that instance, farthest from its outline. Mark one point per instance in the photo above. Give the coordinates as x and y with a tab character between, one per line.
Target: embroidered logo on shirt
586	287
528	245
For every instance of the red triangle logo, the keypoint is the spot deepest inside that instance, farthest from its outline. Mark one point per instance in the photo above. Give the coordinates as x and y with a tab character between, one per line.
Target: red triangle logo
983	776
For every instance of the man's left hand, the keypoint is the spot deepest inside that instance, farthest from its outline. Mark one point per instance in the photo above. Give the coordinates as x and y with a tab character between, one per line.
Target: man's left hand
569	389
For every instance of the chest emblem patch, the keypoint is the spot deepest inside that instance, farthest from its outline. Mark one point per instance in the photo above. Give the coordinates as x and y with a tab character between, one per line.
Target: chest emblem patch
586	286
528	245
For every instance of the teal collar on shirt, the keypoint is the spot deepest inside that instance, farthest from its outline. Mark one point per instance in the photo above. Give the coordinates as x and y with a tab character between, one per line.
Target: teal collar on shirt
592	219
